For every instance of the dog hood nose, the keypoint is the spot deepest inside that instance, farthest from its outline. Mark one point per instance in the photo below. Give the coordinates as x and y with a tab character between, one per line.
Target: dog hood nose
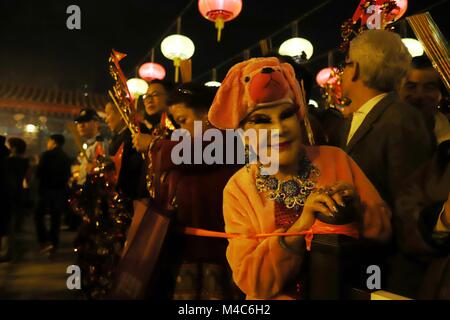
267	70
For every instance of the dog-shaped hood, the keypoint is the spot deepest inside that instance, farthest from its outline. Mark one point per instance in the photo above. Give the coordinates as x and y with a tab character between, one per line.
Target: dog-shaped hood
252	84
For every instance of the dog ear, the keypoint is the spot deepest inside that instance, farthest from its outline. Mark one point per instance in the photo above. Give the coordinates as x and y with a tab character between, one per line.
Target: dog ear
289	74
227	109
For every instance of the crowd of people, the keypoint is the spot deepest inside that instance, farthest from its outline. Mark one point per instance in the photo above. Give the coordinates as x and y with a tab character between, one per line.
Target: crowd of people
378	172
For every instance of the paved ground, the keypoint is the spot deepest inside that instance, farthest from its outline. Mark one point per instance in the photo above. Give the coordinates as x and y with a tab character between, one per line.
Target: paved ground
32	275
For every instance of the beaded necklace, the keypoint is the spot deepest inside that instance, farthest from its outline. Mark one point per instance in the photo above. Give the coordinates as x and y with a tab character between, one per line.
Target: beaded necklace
291	193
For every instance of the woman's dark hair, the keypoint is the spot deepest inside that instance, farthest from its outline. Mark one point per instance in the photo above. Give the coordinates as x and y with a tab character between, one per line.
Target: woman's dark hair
194	95
18	145
422	62
167	85
59	139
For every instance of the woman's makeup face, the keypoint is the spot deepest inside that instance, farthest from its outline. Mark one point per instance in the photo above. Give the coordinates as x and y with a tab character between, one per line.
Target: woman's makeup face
155	100
184	116
281	121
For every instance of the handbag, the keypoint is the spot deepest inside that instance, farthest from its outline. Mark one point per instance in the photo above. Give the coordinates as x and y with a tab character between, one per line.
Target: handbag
136	270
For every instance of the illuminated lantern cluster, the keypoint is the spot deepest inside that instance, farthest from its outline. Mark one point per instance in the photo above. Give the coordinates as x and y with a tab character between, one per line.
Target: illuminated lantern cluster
296	47
177	47
150	71
220	11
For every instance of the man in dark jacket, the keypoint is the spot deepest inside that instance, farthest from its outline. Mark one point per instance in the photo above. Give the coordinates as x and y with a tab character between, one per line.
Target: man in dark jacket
17	166
387	138
53	173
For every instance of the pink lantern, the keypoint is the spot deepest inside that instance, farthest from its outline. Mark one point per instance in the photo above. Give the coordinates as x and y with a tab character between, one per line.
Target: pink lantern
397	13
150	70
392	10
220	11
327	76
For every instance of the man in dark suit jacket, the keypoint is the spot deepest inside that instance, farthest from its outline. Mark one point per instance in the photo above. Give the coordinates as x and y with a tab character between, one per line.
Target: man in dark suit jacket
391	142
387	138
53	173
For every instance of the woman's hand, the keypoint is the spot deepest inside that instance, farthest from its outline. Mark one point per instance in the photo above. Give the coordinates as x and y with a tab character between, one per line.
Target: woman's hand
341	190
142	141
318	201
324	201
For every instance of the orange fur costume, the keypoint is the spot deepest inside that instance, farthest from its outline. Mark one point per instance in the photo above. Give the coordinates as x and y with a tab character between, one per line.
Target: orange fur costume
261	267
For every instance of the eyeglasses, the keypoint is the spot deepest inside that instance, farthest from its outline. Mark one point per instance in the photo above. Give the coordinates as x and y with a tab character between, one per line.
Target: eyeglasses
152	96
185	91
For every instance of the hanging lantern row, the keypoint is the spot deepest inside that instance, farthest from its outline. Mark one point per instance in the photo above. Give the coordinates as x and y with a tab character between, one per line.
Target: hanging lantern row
219	12
178	47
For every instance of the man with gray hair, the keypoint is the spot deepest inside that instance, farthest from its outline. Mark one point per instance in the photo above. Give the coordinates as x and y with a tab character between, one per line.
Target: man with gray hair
387	138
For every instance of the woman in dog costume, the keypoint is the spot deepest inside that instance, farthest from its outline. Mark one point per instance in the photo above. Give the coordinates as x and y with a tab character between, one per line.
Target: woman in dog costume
273	217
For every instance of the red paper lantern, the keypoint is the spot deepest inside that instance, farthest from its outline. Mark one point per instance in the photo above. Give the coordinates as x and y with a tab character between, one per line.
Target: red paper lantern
391	10
327	76
397	13
220	11
150	70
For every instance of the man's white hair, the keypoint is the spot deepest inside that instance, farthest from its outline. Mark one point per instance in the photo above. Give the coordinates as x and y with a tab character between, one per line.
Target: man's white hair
382	57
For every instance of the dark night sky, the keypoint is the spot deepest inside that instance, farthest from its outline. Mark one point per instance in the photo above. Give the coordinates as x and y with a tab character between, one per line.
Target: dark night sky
37	47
